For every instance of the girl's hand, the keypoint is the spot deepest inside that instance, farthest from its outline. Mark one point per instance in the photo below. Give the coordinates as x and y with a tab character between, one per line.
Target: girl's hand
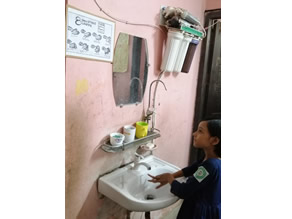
163	179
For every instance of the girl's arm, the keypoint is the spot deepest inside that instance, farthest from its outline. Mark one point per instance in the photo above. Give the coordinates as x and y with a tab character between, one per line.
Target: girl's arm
201	178
188	171
165	178
178	174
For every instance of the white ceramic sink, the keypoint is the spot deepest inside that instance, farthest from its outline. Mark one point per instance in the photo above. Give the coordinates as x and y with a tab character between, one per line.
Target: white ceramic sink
131	189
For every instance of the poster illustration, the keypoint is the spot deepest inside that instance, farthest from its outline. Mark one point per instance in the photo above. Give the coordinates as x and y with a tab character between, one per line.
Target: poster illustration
89	36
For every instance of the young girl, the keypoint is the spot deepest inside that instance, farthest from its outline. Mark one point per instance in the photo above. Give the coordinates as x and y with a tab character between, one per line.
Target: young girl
202	190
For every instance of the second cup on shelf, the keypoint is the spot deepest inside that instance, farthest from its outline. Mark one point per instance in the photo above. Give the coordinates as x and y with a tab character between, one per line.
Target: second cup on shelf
129	132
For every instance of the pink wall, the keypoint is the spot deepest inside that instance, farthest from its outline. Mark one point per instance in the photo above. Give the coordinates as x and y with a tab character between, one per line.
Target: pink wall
91	113
213	4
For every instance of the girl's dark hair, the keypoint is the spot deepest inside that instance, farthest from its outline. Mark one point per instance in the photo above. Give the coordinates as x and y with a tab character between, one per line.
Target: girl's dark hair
214	128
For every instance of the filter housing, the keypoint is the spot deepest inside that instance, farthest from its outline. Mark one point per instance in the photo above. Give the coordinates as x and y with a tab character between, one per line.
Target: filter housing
173	43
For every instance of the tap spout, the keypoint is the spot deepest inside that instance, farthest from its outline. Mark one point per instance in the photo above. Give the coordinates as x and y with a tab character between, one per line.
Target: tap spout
152	112
142	163
155	90
139	157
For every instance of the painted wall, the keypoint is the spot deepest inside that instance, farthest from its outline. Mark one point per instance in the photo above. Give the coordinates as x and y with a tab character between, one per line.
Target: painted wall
213	4
91	113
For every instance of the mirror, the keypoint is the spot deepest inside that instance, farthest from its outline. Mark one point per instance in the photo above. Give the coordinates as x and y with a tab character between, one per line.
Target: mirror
130	69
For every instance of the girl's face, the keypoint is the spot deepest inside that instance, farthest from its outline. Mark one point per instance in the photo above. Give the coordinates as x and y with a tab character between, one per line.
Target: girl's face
202	137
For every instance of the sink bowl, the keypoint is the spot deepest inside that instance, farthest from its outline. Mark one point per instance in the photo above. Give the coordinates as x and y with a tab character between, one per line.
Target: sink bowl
131	189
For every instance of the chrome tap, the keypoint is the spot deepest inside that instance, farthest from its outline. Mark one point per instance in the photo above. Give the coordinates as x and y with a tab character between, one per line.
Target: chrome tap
152	112
139	157
154	91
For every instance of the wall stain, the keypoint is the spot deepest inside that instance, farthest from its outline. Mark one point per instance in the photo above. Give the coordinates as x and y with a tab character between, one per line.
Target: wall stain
81	86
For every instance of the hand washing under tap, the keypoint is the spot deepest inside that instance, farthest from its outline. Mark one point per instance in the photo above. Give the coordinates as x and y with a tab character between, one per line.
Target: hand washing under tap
139	157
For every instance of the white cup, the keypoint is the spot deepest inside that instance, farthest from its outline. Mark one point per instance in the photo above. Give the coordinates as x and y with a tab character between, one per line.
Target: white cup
116	139
129	132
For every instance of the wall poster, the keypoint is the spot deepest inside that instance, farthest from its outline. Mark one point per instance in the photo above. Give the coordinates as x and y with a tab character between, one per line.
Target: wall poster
89	36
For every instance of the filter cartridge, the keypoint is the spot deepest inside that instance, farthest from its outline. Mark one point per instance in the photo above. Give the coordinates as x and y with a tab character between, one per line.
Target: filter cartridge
174	40
182	52
190	55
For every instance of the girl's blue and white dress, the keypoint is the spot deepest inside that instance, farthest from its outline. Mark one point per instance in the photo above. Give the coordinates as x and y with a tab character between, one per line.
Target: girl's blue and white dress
201	192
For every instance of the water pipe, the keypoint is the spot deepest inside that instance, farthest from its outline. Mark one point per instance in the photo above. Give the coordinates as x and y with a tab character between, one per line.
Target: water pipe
149	112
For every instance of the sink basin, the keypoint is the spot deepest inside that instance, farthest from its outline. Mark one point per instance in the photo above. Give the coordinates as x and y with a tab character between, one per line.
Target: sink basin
131	189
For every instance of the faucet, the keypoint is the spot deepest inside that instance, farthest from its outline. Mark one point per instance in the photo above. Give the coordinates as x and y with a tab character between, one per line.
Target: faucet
139	157
154	91
152	112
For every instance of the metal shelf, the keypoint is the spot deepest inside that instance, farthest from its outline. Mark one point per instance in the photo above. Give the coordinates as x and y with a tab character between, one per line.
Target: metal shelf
107	147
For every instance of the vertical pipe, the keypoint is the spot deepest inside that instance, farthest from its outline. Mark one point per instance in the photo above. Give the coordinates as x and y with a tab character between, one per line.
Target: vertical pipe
128	216
147	215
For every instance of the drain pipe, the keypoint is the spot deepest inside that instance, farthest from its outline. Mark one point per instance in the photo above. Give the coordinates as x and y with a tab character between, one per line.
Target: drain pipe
147	215
128	216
